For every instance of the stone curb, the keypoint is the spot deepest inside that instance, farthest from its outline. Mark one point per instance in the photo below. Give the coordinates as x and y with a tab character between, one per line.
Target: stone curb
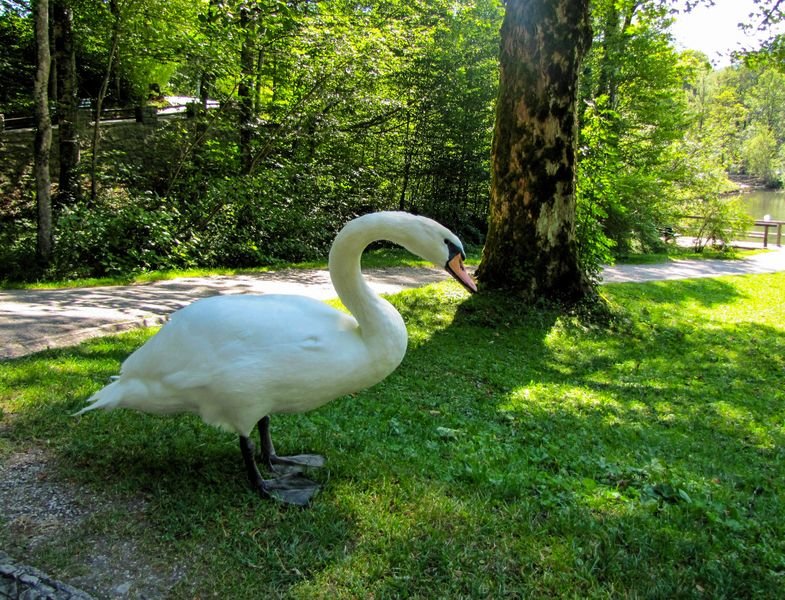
22	582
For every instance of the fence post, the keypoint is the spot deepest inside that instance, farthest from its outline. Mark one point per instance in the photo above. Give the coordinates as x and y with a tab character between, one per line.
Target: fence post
765	235
148	115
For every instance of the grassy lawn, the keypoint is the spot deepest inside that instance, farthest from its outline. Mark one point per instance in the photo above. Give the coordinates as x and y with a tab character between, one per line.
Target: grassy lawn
515	453
687	253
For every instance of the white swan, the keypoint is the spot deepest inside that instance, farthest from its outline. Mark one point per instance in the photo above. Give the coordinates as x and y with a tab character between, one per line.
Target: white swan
234	360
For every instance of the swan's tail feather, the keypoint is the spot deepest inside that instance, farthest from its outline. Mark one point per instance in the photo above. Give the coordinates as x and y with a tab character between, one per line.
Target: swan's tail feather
112	396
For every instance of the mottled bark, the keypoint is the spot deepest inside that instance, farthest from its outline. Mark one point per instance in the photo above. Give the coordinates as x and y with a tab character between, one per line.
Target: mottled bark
43	133
66	101
531	246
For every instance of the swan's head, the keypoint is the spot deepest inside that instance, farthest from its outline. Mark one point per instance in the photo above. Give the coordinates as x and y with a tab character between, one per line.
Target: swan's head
434	242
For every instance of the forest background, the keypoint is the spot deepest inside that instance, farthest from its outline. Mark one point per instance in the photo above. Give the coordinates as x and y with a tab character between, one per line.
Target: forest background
306	114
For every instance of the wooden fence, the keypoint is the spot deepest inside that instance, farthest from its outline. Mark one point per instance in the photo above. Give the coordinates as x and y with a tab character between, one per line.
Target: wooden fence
767	225
142	114
764	233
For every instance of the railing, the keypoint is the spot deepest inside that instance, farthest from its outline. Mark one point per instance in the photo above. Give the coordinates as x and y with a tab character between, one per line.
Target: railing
142	114
765	233
16	122
766	224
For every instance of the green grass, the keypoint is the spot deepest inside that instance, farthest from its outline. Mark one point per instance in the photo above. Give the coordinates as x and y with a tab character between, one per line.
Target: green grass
686	253
515	453
377	258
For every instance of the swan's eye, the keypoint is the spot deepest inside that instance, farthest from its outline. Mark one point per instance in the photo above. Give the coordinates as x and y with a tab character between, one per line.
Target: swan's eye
453	249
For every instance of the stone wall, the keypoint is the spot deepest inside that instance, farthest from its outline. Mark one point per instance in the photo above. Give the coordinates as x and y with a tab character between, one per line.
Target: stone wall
21	582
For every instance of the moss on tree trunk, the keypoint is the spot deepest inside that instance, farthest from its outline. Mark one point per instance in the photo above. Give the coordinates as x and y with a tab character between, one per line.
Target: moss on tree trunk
531	246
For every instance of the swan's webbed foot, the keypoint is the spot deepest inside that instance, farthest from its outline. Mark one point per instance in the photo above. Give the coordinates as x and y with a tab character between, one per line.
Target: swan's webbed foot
284	464
293	464
291	488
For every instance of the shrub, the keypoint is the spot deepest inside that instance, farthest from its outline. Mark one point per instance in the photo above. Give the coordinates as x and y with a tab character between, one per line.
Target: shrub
247	221
722	219
17	250
119	237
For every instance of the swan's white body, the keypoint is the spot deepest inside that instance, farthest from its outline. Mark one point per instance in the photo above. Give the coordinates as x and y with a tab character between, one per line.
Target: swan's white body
236	359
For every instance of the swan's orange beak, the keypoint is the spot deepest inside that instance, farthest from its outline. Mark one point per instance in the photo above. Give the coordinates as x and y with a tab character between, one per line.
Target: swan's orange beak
455	268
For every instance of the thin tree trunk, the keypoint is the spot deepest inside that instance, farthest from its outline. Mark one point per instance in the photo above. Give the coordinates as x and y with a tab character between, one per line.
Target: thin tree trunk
245	89
43	134
531	246
258	83
99	101
66	101
407	163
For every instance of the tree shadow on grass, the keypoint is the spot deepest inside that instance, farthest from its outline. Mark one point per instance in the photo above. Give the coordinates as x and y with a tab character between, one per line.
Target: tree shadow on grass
513	452
706	292
659	446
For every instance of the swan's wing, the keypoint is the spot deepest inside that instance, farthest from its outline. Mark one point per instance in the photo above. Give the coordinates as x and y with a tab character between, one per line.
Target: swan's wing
216	332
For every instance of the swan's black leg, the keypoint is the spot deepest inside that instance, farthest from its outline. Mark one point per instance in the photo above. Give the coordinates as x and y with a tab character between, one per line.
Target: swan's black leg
277	463
267	450
254	476
289	489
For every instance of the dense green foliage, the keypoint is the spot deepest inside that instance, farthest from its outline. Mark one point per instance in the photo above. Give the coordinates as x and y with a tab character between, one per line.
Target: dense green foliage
661	133
515	453
331	109
16	63
352	109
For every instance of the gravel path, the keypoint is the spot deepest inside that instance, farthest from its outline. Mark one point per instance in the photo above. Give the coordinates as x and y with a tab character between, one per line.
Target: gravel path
768	262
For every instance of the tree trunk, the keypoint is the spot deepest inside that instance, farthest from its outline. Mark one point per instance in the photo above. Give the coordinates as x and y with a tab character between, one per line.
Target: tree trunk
531	246
257	103
245	89
43	133
66	101
407	162
114	7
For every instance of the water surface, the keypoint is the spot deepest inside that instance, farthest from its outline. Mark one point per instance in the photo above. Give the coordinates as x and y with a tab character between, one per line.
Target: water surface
760	203
765	202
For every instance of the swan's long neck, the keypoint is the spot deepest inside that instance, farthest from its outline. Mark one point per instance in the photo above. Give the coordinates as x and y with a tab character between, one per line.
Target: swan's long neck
381	326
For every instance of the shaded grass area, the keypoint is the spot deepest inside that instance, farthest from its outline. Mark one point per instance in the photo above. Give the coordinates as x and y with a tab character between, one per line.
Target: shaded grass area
514	453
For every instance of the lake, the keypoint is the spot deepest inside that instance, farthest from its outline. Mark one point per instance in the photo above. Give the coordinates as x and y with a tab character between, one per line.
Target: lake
760	203
765	202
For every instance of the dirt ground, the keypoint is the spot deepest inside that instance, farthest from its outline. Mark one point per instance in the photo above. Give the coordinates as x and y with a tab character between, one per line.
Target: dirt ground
41	514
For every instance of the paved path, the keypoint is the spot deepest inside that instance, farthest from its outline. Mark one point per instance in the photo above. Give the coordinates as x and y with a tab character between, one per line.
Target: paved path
769	262
33	320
